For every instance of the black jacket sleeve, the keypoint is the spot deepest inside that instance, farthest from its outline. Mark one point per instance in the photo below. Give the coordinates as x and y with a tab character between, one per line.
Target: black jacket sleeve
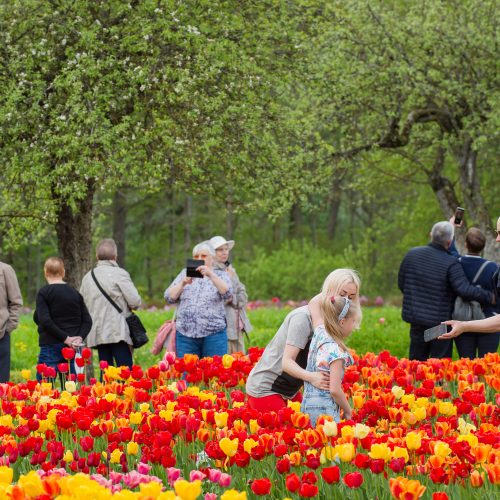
461	286
45	321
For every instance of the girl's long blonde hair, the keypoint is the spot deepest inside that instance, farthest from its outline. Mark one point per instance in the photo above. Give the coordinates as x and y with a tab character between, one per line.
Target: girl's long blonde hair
331	309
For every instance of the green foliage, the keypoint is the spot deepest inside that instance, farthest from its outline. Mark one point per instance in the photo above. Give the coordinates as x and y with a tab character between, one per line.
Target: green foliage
295	270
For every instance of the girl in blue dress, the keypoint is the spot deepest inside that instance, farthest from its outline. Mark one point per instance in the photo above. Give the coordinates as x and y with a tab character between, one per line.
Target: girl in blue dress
333	320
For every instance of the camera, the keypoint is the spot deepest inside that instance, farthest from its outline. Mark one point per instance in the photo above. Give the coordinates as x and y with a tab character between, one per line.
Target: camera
191	268
459	215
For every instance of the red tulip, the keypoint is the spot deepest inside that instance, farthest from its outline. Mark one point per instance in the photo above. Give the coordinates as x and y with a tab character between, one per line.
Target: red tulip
308	490
283	465
440	495
63	367
353	479
397	464
261	486
103	365
377	465
331	474
292	482
86	353
68	353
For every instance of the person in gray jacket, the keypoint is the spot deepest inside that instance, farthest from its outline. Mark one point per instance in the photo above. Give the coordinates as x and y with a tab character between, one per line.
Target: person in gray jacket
236	317
110	333
11	303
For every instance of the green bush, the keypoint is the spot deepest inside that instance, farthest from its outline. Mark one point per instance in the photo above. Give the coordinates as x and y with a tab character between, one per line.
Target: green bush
294	271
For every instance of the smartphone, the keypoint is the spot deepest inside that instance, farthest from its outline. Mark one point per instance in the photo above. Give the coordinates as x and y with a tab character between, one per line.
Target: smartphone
191	266
459	215
435	332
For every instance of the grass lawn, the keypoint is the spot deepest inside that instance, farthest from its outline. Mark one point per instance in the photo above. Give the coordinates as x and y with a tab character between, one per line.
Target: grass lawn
373	336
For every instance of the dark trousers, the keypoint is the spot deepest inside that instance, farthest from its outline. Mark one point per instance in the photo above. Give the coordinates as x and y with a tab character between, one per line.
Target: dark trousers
476	345
118	354
422	351
5	358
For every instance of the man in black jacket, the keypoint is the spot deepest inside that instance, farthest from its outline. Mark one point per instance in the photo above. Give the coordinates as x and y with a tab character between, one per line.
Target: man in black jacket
430	279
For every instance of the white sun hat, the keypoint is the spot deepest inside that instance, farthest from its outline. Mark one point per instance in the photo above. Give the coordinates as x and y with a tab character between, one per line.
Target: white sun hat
218	241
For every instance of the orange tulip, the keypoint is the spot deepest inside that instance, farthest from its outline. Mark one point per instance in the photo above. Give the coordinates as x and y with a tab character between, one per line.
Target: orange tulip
493	471
406	489
476	479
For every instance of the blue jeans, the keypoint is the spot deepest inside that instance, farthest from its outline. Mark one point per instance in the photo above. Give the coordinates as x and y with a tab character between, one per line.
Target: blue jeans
50	355
212	345
316	406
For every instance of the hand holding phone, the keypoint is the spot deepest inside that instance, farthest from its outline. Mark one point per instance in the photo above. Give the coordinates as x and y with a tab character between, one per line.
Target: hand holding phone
459	216
192	266
435	332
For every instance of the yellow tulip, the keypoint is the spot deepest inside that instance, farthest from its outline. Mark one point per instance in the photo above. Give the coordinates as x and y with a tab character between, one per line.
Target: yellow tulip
110	397
380	451
347	431
6	474
26	374
442	449
328	454
115	456
254	426
132	448
233	495
186	490
70	386
135	417
221	419
249	444
361	431
32	484
227	360
470	438
150	490
294	405
398	392
330	428
464	427
447	408
229	446
420	413
167	415
68	456
413	441
346	452
399	452
408	399
144	407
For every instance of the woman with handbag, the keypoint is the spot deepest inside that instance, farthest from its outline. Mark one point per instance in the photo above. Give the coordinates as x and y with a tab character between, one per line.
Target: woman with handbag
201	320
237	321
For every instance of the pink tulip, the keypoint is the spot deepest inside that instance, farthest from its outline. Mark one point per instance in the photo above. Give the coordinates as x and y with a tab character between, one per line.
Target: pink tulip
214	475
173	475
169	357
143	468
381	321
225	480
210	496
196	474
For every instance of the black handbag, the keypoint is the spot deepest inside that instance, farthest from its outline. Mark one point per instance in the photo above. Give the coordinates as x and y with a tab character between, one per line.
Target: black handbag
136	328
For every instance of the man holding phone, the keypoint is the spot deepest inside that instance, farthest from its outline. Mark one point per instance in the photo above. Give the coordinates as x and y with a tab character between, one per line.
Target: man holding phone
430	278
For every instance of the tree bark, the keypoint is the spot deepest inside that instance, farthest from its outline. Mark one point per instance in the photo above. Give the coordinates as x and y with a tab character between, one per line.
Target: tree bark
74	235
188	215
295	221
119	225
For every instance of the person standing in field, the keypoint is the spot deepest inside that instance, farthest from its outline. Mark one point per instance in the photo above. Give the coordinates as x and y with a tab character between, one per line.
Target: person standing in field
11	302
236	318
110	333
61	316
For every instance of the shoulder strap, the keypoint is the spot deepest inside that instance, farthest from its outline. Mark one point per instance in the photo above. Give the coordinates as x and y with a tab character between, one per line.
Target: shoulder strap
481	269
111	301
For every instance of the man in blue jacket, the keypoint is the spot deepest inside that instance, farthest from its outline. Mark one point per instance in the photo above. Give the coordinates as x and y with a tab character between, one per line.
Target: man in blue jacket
430	279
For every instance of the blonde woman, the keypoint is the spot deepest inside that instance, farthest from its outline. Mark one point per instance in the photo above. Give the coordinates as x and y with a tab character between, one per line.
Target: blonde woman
333	318
280	372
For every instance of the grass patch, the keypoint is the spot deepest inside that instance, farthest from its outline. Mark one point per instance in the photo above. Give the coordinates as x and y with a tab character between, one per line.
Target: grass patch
373	336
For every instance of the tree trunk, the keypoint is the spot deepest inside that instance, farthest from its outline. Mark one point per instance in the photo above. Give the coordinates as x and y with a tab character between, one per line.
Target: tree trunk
188	215
74	236
295	221
120	224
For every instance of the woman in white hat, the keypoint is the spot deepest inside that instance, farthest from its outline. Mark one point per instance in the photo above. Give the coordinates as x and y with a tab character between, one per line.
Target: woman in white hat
236	318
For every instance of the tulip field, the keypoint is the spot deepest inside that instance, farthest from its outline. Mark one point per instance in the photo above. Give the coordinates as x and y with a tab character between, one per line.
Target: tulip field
182	429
